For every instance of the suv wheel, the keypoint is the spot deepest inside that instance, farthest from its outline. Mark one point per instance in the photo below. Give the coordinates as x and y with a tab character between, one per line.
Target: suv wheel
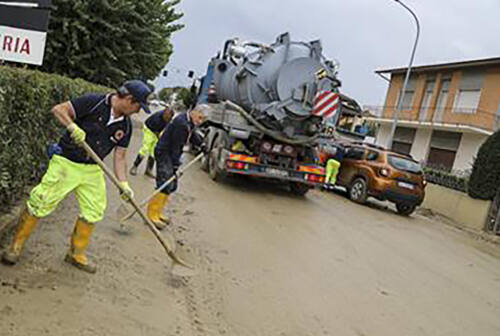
405	209
357	190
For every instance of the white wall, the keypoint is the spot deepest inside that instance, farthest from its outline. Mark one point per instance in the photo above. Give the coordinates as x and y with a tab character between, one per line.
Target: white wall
383	134
469	145
420	146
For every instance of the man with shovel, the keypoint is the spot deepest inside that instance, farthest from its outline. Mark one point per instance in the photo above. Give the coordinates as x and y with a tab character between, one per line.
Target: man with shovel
103	122
168	152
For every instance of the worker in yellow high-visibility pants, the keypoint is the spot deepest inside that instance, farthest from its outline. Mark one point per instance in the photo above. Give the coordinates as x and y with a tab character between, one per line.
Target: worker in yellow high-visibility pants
153	126
103	122
332	170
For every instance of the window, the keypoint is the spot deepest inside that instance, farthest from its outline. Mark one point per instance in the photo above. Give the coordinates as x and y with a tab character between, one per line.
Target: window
467	101
404	164
407	100
469	92
442	99
354	153
403	140
443	149
426	100
372	156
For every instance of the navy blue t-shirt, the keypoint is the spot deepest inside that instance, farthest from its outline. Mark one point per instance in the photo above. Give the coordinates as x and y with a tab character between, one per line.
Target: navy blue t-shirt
156	123
92	114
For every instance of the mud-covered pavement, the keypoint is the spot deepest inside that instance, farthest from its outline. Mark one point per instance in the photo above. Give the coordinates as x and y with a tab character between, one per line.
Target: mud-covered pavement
269	264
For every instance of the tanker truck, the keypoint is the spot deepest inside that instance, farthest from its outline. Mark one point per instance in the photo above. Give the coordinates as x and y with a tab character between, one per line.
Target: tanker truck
267	107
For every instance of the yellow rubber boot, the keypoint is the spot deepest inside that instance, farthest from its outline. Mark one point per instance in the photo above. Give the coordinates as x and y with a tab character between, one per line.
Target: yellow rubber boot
27	223
155	210
80	240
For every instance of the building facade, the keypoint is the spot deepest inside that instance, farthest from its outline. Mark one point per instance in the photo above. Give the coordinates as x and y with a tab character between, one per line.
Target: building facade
448	111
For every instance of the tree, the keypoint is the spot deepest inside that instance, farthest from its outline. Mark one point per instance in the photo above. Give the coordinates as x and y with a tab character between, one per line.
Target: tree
187	97
165	94
109	41
184	97
484	181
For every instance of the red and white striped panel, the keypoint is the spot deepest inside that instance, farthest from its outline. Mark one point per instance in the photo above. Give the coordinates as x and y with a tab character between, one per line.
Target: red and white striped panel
326	104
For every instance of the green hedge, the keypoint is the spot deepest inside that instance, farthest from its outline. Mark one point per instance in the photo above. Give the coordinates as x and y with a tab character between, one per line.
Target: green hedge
27	124
446	179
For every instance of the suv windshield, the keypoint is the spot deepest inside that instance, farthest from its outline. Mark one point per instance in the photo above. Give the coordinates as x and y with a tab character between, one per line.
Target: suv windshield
404	164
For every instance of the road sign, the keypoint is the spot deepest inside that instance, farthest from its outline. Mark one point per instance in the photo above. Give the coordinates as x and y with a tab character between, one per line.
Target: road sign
23	30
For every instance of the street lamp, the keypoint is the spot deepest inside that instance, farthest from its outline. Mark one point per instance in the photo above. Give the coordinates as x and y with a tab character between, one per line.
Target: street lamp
403	90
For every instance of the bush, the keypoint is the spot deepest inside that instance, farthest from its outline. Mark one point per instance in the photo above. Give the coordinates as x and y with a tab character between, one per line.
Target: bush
485	178
27	124
446	179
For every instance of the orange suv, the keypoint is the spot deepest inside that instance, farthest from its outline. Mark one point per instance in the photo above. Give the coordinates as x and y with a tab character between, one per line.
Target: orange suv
369	170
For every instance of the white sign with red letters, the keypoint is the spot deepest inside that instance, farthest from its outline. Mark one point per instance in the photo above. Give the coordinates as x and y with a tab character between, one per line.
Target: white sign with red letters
21	45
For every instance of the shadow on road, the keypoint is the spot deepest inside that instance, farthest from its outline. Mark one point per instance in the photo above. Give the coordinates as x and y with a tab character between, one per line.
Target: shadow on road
259	186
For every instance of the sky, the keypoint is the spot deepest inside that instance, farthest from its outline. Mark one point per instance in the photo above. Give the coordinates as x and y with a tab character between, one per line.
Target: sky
362	35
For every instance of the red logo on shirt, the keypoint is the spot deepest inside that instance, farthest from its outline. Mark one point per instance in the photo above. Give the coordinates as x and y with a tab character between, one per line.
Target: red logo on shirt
119	135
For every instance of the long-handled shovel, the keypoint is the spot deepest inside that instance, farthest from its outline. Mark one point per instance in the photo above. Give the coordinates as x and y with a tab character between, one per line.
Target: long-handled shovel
170	180
180	266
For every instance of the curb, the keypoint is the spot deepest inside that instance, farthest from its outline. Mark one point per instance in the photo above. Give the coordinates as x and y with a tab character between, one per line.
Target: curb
478	235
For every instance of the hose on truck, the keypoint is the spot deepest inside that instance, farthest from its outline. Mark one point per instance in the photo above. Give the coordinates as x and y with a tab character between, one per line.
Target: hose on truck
265	130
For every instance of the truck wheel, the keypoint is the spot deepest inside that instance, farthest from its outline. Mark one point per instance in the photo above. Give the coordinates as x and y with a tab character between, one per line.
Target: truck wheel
357	191
405	209
210	133
214	171
204	161
299	189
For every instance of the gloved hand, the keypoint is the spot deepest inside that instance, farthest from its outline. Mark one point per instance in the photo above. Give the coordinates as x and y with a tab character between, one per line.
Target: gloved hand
177	173
76	133
126	193
204	148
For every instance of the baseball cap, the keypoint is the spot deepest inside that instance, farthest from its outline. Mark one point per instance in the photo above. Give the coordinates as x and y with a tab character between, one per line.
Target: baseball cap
140	91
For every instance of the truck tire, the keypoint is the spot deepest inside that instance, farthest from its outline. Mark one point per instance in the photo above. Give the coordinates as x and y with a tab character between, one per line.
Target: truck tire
358	190
204	159
210	134
221	142
299	189
405	209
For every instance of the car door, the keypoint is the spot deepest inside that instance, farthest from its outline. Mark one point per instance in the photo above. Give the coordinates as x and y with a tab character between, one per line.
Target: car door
349	166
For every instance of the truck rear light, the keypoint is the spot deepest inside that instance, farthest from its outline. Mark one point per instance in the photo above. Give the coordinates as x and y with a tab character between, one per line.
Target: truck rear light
315	178
267	146
385	172
288	149
237	165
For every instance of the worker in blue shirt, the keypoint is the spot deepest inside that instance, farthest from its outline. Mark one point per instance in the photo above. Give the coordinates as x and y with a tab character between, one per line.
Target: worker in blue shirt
152	128
103	122
168	153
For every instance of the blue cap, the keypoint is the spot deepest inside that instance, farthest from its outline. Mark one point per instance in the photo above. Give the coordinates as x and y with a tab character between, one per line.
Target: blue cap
140	91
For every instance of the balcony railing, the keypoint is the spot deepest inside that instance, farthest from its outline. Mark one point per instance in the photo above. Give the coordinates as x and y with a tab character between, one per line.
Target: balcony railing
469	117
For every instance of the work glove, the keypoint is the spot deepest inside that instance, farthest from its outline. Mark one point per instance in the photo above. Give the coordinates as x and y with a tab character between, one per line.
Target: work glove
76	133
204	148
126	193
177	173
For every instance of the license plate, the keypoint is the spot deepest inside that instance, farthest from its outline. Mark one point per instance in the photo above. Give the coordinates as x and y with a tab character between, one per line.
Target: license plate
277	172
406	185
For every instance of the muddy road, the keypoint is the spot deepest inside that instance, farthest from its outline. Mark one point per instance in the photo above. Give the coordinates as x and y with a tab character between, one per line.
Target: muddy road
270	264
